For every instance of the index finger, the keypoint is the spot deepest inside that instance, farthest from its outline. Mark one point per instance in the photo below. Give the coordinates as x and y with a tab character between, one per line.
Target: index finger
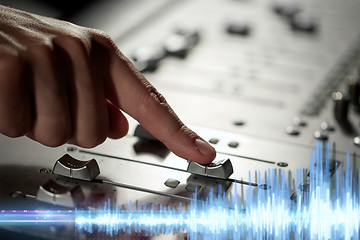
129	90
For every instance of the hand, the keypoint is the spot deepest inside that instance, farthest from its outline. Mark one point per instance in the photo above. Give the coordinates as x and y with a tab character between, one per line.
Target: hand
64	83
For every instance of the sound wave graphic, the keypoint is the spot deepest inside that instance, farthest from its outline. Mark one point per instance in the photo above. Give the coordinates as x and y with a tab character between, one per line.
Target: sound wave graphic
325	205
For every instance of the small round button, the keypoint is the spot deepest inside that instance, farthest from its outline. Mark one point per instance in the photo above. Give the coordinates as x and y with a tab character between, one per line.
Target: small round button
177	45
357	141
172	183
297	121
213	140
327	126
233	144
282	164
284	10
320	136
341	107
305	186
147	58
239	123
265	186
238	29
290	130
303	22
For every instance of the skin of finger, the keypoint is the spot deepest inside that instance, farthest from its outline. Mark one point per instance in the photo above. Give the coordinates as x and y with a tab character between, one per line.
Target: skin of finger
15	113
86	93
136	96
118	125
51	124
100	60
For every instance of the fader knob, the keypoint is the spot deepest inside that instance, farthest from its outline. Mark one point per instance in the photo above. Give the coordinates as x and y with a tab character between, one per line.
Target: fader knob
181	42
54	193
341	107
147	58
70	167
218	168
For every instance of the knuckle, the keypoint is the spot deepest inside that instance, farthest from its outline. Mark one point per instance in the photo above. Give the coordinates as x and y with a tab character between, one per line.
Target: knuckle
103	39
16	124
14	130
151	102
41	52
53	140
91	134
55	134
92	141
72	43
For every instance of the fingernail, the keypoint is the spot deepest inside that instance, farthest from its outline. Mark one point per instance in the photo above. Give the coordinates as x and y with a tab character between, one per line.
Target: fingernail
204	147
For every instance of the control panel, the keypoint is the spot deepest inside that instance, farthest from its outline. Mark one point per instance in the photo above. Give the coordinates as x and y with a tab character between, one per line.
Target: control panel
262	81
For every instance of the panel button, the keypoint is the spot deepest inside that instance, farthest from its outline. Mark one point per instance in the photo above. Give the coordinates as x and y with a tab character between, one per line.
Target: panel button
239	123
304	186
54	193
320	136
286	10
193	35
70	167
297	121
341	107
357	141
176	45
238	29
213	140
172	183
218	168
290	130
303	22
179	43
233	144
327	126
147	58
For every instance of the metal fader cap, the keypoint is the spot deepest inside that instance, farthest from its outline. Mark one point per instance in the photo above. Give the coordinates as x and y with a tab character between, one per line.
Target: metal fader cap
70	167
218	168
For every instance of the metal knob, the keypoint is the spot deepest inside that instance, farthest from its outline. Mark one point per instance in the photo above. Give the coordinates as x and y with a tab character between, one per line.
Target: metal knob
54	193
218	168
70	167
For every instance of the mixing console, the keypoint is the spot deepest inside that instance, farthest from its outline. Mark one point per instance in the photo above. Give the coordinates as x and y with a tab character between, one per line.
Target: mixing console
262	81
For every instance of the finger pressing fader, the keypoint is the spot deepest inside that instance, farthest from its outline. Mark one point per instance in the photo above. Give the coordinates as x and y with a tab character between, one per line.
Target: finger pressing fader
70	167
218	168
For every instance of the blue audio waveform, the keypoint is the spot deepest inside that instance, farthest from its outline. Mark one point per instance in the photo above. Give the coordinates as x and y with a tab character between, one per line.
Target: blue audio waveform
29	217
323	205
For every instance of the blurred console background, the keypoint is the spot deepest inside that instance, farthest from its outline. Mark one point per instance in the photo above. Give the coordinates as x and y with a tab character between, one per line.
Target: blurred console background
261	80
